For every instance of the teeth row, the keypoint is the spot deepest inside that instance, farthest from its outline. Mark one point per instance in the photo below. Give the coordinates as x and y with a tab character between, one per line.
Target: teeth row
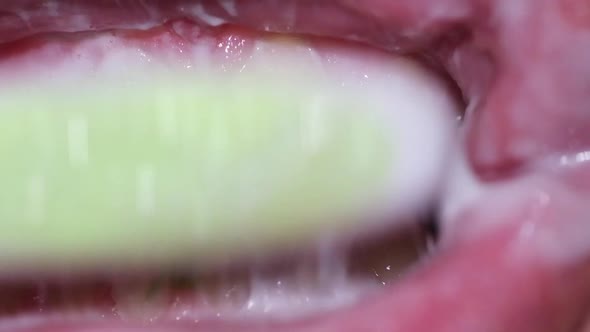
323	281
259	291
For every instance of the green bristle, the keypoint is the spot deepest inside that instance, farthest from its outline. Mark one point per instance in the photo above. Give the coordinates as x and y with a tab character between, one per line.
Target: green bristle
151	172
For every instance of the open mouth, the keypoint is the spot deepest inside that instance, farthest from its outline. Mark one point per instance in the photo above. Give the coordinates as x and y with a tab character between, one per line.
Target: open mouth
293	166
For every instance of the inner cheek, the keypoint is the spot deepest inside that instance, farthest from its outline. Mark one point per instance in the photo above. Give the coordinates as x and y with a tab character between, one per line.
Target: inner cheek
520	201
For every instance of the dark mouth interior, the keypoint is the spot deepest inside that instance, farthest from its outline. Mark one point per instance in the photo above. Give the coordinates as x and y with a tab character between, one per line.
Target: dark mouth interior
284	288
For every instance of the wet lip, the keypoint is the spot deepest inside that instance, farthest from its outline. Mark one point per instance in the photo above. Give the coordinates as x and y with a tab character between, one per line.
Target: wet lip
469	284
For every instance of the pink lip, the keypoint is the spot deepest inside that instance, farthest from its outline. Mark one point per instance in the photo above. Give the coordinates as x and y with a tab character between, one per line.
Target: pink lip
513	258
